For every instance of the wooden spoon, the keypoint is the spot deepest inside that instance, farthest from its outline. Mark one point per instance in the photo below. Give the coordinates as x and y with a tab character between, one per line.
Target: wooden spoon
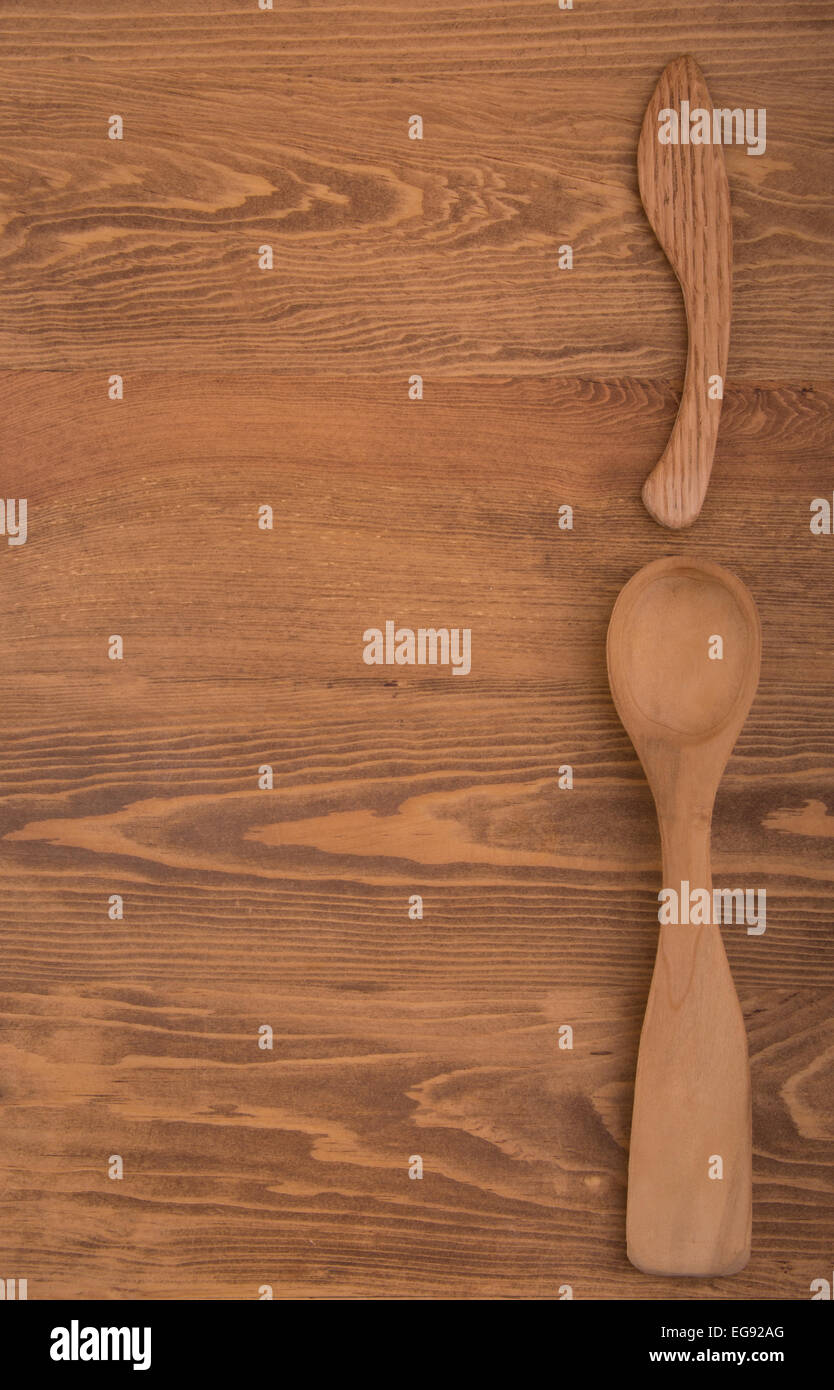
687	200
683	712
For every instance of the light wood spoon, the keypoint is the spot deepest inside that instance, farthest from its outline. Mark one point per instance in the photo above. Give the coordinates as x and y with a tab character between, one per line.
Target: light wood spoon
687	200
683	712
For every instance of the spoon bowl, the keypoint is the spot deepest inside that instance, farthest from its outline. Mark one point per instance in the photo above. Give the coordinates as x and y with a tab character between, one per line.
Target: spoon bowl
662	630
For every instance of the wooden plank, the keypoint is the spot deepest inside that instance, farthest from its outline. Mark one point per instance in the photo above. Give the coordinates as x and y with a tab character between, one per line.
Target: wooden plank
438	256
356	41
290	1167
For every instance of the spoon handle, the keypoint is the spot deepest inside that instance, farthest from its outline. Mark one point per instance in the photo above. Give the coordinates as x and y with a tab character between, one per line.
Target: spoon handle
692	1105
685	193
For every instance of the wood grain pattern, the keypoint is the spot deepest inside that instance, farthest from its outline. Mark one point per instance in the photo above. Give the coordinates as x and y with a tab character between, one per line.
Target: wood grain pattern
687	200
391	255
244	907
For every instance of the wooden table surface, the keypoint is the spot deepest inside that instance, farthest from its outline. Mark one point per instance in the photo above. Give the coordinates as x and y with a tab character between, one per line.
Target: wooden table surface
245	1167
